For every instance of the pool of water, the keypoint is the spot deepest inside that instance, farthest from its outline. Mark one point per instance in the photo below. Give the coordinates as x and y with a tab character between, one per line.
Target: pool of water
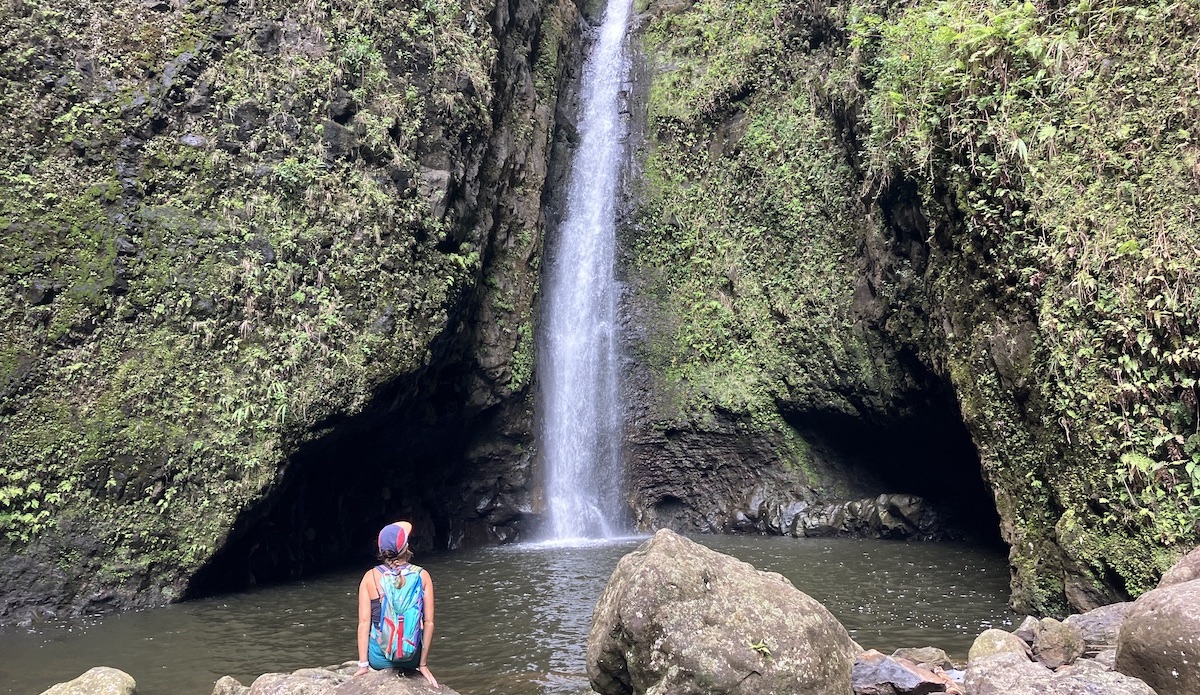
511	620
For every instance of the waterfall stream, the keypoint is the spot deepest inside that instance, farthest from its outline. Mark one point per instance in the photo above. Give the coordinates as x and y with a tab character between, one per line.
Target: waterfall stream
580	409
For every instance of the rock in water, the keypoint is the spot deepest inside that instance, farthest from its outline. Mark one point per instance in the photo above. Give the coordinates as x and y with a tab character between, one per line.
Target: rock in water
678	618
1159	640
101	680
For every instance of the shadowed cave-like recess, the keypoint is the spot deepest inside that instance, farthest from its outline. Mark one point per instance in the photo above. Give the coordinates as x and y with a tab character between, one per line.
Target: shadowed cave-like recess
924	451
338	490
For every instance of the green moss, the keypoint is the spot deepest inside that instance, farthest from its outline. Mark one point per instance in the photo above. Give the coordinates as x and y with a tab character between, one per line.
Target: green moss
1053	156
206	267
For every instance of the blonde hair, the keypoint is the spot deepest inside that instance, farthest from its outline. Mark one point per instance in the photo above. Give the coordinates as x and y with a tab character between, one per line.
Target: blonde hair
395	559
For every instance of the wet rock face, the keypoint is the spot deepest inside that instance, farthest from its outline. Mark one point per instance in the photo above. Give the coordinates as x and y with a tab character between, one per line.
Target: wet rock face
722	477
676	617
1159	640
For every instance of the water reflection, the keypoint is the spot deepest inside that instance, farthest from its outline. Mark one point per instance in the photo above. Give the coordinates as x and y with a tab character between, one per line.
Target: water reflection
511	620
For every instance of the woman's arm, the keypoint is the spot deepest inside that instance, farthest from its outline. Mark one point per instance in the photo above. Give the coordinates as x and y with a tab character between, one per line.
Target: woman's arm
427	625
364	621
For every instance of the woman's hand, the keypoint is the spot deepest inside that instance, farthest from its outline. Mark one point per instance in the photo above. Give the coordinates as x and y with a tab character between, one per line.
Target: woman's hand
361	670
428	676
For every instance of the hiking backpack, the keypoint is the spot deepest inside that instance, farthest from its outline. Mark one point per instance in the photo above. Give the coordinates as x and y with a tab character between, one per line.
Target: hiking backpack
398	632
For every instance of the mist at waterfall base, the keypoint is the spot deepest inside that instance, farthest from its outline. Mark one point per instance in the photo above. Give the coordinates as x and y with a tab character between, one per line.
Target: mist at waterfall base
579	410
511	620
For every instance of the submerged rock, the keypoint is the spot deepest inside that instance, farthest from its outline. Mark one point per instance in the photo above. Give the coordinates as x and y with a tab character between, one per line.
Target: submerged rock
100	680
1159	640
676	617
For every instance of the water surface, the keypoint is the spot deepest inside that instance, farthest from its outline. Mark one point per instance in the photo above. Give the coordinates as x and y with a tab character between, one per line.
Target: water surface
511	620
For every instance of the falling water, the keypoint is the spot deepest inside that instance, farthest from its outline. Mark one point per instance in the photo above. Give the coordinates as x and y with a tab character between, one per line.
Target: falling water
580	408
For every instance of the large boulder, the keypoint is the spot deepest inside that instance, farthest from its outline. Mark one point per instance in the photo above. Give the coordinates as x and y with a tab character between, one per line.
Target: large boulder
1010	673
1187	569
1159	640
678	618
1099	627
100	680
1057	644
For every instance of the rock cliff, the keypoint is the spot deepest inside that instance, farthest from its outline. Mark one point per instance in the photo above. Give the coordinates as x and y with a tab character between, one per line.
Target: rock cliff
271	271
944	221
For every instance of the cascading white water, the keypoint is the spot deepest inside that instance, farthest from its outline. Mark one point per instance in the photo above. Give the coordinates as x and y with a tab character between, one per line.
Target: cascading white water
577	367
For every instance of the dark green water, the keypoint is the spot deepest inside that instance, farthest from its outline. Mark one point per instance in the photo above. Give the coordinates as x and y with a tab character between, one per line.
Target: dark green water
510	620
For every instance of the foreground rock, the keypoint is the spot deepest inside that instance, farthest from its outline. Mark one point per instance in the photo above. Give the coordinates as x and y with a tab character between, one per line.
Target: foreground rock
876	674
1010	673
995	641
678	618
1187	569
101	680
1099	627
1159	640
334	680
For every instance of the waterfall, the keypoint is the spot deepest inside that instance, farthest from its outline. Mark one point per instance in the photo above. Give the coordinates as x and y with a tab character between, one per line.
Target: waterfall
580	409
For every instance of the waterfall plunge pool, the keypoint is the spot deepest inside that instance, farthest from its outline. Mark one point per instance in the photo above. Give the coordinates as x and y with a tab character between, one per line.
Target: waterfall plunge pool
511	620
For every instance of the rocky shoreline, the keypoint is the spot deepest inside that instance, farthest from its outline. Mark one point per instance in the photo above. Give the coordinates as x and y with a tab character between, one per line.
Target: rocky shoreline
678	618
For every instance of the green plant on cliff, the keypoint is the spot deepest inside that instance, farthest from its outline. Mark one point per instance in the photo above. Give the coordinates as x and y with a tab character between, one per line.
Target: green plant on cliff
731	188
1064	140
214	226
1053	155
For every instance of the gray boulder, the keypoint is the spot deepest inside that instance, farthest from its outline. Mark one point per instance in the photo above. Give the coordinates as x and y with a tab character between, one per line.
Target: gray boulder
1159	640
995	641
308	681
1057	644
1187	569
100	680
228	685
1028	630
1010	673
678	618
1099	627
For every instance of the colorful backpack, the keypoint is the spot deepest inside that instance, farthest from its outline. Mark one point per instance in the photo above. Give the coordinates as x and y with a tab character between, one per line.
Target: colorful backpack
399	630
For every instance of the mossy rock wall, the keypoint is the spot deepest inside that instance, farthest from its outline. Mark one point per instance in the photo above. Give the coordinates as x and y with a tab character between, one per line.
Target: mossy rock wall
843	206
226	230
